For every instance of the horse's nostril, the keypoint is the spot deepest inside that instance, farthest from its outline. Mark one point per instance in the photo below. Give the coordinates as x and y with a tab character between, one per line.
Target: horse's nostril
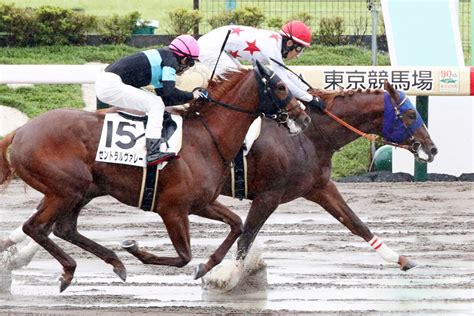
434	151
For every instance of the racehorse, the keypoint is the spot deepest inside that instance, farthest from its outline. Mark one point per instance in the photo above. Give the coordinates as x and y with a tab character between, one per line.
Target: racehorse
55	154
301	165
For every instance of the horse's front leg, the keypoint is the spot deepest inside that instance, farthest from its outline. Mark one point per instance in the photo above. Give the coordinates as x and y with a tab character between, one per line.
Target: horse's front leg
177	225
262	207
331	200
219	212
229	273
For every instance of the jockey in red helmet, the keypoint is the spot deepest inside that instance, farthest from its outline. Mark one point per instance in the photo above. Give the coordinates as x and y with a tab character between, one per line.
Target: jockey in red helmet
121	82
296	36
248	43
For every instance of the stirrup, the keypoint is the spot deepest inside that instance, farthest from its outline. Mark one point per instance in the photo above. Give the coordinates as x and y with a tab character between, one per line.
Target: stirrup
162	158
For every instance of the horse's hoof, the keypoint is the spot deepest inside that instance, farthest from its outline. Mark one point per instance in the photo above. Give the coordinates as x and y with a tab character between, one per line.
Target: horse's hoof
121	272
129	245
63	284
200	271
406	264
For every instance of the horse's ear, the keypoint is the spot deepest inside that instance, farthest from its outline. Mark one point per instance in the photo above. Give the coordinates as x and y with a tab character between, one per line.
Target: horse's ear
391	90
262	70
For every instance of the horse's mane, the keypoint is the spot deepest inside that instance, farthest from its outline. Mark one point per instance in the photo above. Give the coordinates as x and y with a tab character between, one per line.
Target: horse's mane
330	95
217	88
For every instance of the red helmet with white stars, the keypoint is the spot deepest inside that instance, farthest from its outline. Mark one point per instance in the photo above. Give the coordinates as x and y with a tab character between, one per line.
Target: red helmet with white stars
298	32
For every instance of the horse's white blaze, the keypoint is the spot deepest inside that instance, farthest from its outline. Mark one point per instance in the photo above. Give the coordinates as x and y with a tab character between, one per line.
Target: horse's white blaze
293	127
422	153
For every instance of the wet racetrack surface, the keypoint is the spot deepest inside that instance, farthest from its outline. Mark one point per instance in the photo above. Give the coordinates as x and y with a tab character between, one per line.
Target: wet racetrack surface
313	263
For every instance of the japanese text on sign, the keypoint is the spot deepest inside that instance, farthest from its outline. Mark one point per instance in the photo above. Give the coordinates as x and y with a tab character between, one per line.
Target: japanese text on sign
373	79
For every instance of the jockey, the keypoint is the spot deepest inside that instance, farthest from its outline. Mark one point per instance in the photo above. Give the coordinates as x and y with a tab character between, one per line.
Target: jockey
248	43
121	82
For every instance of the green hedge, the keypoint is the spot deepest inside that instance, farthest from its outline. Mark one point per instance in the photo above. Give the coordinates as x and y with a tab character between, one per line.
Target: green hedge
49	25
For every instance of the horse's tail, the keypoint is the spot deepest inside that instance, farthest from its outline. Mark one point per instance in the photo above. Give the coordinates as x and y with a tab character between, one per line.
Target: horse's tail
5	169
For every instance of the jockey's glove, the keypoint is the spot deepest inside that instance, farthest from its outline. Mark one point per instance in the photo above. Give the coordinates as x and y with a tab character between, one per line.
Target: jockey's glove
200	93
318	104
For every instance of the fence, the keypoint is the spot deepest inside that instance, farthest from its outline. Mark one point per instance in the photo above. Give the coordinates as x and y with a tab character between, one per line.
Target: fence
356	13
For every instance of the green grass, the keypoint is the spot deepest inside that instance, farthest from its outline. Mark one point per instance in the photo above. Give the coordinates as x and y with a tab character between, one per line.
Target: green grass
41	98
149	9
64	54
339	56
353	159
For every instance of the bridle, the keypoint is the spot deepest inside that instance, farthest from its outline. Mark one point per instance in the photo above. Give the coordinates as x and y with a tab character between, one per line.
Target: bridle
414	145
269	104
389	139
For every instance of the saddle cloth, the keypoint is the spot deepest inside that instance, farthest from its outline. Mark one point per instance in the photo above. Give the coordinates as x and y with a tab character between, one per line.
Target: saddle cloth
122	140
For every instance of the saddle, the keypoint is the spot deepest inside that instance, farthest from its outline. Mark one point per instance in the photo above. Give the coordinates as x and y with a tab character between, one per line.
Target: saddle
122	141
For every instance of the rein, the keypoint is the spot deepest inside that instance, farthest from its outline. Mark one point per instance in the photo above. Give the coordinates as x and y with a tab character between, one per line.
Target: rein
208	129
214	141
369	137
232	107
261	110
347	125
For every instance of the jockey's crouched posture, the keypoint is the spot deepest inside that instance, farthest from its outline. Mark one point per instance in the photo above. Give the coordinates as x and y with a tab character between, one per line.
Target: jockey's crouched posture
121	82
268	47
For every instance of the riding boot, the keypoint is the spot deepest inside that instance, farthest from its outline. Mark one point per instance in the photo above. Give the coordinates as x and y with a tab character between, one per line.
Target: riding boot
154	156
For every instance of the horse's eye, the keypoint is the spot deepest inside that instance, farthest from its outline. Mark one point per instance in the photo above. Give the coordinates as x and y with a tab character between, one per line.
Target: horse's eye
412	115
282	88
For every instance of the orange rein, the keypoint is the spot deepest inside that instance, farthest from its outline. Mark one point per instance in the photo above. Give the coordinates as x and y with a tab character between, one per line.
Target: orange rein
369	137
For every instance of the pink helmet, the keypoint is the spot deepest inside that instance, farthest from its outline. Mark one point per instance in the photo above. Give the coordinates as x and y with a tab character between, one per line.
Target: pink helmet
297	31
185	45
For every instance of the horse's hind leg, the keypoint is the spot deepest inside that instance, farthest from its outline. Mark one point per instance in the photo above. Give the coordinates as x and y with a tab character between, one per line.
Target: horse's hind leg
66	228
177	225
22	256
39	226
16	236
7	243
219	212
331	200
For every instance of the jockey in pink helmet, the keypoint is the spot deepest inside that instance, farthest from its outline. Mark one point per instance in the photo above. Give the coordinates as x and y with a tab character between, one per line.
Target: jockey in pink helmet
121	82
185	47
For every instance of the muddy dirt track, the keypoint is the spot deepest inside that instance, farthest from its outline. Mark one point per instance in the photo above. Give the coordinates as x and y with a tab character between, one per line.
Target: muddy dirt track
314	264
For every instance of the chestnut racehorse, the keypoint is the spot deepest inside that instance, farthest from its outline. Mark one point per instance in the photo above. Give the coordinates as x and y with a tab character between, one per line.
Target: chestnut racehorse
55	154
301	165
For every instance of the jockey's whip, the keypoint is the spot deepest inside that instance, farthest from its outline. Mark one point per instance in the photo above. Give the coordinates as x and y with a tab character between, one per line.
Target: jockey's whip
286	67
220	53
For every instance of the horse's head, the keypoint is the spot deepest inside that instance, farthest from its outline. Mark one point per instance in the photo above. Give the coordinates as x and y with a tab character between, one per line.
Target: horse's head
402	124
277	101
